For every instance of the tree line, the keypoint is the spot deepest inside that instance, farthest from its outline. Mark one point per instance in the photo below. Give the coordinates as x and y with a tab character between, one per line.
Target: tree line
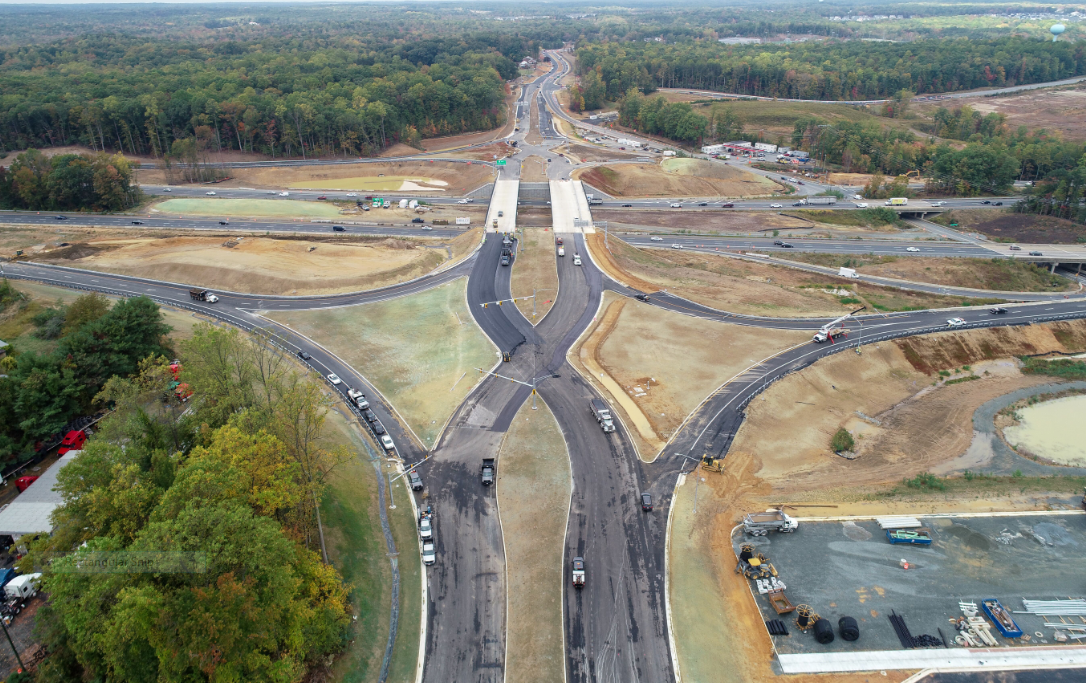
72	182
278	96
831	70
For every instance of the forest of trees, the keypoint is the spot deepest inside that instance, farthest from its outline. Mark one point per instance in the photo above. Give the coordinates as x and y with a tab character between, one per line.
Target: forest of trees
838	70
279	96
72	182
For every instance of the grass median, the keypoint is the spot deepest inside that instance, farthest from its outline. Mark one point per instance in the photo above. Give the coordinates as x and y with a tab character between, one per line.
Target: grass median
535	272
420	351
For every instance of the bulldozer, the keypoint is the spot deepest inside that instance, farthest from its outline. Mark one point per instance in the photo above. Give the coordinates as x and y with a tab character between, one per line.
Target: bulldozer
18	256
712	463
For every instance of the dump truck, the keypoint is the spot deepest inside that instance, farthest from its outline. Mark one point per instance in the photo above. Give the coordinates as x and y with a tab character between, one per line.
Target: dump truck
487	471
602	412
578	572
358	398
202	295
761	523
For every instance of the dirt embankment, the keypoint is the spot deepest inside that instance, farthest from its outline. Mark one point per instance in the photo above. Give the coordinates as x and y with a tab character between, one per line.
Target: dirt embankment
676	178
533	170
1007	226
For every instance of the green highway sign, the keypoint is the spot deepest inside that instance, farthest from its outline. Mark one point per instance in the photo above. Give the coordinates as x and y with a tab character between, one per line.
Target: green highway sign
501	162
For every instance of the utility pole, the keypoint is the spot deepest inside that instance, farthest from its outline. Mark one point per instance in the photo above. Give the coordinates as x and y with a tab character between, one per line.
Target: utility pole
19	659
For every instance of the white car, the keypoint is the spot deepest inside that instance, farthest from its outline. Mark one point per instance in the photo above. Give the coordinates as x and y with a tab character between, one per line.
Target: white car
676	205
576	260
352	194
955	322
776	206
429	556
211	193
676	246
656	239
426	227
462	201
284	194
386	441
166	189
334	379
861	205
911	249
857	196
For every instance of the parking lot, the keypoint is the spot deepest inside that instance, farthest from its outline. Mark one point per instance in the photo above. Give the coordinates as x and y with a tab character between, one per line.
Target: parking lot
849	568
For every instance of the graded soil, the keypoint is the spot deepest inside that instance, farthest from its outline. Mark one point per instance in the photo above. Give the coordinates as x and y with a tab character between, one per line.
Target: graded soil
1007	226
265	265
420	351
533	485
906	420
676	178
1055	109
533	170
535	272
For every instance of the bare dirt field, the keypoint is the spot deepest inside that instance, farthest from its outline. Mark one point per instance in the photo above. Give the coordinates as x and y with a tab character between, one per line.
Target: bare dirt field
588	153
533	217
263	265
445	177
658	365
420	351
782	455
995	274
1007	226
491	152
533	170
1056	109
676	178
535	271
533	488
742	286
723	221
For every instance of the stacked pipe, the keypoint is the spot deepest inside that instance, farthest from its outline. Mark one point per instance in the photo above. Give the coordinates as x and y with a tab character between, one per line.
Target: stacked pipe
1056	608
776	627
902	631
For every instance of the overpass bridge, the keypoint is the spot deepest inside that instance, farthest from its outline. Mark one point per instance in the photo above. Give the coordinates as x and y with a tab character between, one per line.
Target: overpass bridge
570	212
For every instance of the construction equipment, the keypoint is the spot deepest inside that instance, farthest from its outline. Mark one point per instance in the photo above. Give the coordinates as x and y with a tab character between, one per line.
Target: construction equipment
779	602
761	523
18	256
578	572
712	463
1001	618
921	536
805	617
754	566
833	330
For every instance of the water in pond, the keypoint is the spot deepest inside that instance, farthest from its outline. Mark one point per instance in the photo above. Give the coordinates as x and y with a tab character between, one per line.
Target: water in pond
1052	430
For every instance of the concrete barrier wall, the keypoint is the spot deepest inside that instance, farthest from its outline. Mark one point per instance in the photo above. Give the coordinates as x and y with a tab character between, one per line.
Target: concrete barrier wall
483	192
595	191
535	191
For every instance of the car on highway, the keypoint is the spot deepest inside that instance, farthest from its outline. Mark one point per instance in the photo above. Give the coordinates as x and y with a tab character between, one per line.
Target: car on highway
322	197
861	205
224	223
786	245
426	227
1015	247
137	222
656	239
377	427
1035	253
703	204
986	202
938	203
386	441
642	297
627	206
369	415
429	555
501	214
998	204
462	201
776	206
646	502
284	194
352	194
911	249
576	260
676	205
337	228
797	203
997	310
334	379
676	246
210	193
778	243
304	355
955	322
414	480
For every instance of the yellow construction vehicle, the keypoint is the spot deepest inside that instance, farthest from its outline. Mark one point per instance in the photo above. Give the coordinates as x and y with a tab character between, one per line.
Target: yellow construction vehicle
18	256
712	463
754	566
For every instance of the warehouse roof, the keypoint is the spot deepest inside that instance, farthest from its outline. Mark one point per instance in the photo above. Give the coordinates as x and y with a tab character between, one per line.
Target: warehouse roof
29	513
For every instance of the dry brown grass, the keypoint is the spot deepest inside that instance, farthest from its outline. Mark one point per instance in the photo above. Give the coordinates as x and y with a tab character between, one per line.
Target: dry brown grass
676	178
535	270
533	170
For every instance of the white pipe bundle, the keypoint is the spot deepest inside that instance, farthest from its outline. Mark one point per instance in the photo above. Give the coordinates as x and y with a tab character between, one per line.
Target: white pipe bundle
1062	608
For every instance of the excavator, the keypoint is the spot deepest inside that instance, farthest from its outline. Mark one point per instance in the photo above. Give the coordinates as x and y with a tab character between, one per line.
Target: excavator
833	330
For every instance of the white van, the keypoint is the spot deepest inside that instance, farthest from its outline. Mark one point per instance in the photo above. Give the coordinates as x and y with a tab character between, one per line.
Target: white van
561	251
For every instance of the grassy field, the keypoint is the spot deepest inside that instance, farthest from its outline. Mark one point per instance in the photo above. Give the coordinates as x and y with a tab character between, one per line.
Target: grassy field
535	269
996	274
356	546
420	351
533	489
278	208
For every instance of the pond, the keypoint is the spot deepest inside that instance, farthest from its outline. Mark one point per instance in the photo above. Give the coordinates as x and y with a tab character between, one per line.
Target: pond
1052	430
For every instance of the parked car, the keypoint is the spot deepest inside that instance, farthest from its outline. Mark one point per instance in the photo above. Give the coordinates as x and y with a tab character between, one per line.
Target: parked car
378	428
417	220
429	556
334	379
955	322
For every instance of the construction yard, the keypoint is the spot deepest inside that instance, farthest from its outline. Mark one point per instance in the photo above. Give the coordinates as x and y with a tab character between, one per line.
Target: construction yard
420	351
453	178
534	273
910	408
534	483
657	365
676	178
310	264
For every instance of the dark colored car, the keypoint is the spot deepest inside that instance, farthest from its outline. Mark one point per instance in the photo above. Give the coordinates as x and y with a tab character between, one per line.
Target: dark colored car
997	310
415	480
797	204
223	223
1035	253
377	427
303	355
337	228
778	243
646	502
727	205
999	204
986	202
137	222
417	220
369	415
786	245
627	206
322	197
703	204
61	218
642	297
